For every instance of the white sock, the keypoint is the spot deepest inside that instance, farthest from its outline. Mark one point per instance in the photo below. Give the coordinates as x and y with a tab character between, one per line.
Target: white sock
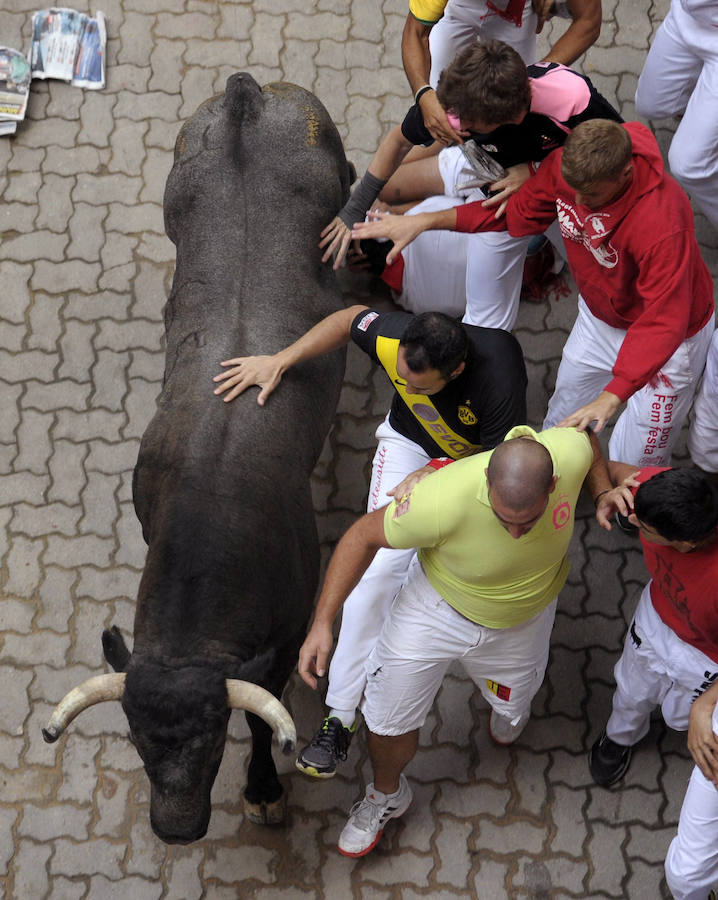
346	716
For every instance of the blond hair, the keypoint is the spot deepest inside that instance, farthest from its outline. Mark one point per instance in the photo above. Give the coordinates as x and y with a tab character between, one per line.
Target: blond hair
596	150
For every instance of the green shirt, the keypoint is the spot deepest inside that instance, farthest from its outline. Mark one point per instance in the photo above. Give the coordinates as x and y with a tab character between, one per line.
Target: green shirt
469	557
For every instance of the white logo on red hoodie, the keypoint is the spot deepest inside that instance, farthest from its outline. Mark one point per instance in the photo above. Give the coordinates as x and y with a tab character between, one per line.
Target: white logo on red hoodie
574	229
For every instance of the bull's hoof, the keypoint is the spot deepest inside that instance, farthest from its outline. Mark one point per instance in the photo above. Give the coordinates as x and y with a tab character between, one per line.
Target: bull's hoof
266	813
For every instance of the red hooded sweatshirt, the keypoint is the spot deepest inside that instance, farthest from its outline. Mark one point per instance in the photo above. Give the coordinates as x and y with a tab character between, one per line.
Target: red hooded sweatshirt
636	261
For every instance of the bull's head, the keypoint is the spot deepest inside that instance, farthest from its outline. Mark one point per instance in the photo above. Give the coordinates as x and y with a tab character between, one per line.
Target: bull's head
178	723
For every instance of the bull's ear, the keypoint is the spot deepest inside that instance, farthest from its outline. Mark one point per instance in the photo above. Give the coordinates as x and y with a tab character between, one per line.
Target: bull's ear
243	97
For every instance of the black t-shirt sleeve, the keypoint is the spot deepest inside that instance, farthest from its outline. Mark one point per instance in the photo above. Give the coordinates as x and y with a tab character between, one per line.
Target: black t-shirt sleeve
371	324
503	392
413	127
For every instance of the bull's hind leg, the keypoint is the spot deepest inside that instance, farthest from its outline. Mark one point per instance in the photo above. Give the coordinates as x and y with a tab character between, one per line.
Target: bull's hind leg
264	802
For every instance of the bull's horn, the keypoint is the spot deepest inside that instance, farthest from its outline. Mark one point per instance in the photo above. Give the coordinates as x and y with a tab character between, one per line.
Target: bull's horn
94	690
252	697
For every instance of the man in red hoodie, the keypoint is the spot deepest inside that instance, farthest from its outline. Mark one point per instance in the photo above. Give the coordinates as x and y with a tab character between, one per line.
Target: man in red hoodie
645	314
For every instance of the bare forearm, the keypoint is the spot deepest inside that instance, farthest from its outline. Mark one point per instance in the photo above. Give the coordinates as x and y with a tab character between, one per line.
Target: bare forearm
415	52
598	478
390	154
350	560
327	335
619	471
581	34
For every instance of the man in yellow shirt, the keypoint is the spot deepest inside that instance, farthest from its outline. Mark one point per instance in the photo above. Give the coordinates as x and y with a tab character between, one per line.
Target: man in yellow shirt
492	533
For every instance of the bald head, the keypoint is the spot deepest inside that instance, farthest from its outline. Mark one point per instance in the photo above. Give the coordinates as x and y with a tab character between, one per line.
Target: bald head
520	473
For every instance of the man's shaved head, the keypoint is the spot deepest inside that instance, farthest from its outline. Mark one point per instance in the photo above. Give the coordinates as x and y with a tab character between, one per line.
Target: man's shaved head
520	473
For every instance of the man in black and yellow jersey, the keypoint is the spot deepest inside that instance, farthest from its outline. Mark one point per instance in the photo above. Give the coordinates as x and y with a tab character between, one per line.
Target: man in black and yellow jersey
459	389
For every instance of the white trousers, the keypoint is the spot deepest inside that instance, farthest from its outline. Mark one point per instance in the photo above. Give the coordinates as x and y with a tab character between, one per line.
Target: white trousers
692	858
648	428
656	668
680	77
494	260
369	603
423	634
465	21
435	266
703	434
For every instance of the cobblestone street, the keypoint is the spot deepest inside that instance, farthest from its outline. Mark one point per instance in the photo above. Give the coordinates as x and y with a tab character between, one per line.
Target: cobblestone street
85	269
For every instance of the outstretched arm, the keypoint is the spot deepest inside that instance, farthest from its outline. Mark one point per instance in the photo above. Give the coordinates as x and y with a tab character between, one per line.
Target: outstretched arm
403	229
266	371
350	560
336	237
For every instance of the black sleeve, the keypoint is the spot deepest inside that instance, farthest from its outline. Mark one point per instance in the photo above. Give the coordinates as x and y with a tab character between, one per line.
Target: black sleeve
371	324
504	403
598	108
413	127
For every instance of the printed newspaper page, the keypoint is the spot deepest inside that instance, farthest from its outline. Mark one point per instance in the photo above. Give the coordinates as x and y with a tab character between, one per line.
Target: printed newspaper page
69	45
14	88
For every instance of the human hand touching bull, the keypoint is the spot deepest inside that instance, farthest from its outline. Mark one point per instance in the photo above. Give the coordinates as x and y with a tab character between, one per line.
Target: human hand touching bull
246	371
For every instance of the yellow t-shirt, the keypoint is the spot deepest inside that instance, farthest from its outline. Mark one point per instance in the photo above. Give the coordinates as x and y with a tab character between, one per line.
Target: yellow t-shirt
467	555
427	11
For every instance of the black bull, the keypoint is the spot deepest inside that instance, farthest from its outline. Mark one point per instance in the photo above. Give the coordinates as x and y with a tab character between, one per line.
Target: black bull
222	490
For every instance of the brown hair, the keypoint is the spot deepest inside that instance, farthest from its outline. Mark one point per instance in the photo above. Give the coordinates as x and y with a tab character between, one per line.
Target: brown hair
487	81
595	151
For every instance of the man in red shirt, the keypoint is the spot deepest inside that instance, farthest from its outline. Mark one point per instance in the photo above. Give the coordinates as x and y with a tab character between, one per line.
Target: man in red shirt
670	655
645	314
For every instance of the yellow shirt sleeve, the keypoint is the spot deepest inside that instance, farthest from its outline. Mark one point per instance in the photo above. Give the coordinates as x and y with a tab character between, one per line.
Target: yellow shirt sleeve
427	11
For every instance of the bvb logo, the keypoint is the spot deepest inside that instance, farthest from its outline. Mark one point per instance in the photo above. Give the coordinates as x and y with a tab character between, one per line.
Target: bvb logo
466	416
561	515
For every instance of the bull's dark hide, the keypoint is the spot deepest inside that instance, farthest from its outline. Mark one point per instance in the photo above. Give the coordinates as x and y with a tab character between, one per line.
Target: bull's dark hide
222	490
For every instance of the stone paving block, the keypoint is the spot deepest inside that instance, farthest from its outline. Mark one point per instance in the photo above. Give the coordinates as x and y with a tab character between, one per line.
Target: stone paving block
78	354
266	39
136	218
156	248
98	855
26	649
16	614
56	598
21	486
127	147
15	297
117	254
568	816
29	869
118	277
140	406
112	809
96	118
626	804
44	245
650	844
45	322
38	520
605	845
28	784
491	880
511	836
24	160
86	232
112	458
90	621
99	505
241	864
23	567
44	823
297	62
107	584
95	424
65	276
182	874
529	778
132	550
15	707
66	471
367	21
55	205
456	861
472	800
674	783
647	882
77	551
46	132
419	825
109	378
136	38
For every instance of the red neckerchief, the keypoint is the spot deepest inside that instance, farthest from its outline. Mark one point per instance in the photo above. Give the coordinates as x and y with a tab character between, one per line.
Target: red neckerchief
393	274
513	12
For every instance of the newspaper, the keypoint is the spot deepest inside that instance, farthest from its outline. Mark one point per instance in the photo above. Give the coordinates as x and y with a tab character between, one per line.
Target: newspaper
69	45
14	88
481	168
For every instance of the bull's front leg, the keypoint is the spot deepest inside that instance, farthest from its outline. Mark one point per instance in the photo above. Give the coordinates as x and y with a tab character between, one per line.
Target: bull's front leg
264	800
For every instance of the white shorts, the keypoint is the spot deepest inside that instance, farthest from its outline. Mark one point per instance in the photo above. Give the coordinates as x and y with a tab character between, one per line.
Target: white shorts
656	668
703	435
420	639
692	859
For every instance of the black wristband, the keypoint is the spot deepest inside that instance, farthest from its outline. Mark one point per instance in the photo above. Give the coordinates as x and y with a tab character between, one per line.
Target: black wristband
365	193
420	93
600	494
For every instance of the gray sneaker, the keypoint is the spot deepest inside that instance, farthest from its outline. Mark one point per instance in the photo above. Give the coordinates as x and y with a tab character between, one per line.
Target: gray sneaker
328	747
369	816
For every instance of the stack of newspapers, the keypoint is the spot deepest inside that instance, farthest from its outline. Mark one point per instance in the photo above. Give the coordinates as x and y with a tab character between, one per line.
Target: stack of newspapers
67	45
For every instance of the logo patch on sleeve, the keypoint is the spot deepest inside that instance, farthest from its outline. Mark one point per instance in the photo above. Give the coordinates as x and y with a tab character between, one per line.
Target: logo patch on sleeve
367	320
501	691
402	507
